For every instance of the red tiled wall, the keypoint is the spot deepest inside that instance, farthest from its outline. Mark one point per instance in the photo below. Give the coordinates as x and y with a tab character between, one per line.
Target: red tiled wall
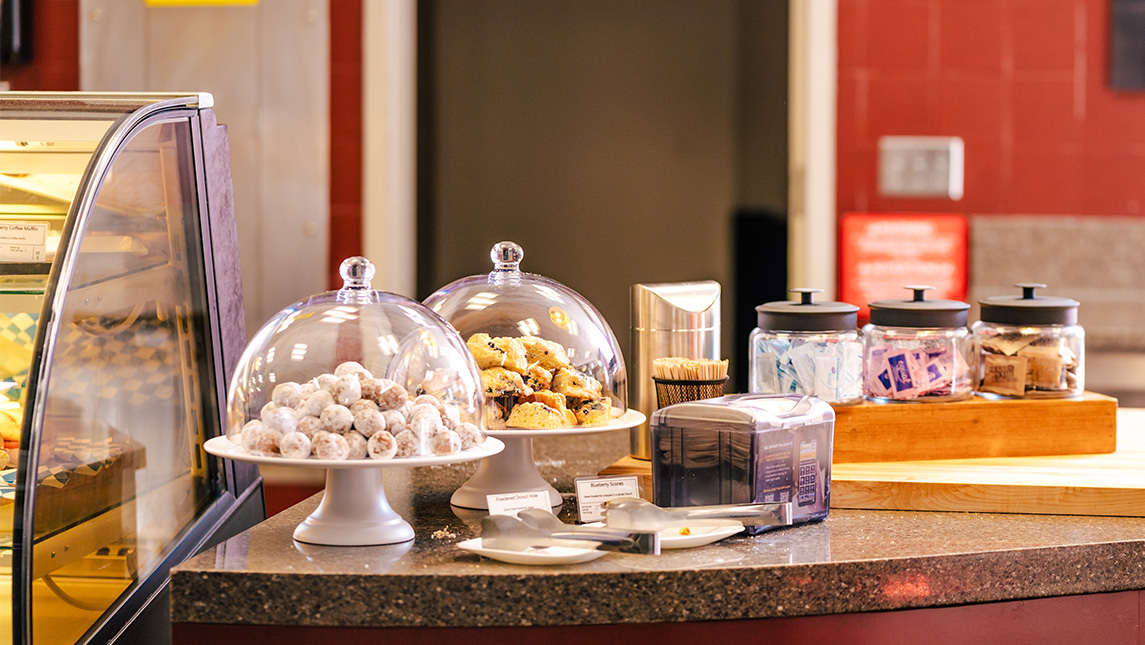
1023	82
345	134
55	50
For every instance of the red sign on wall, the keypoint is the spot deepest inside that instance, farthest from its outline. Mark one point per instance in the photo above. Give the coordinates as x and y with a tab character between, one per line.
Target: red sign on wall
881	253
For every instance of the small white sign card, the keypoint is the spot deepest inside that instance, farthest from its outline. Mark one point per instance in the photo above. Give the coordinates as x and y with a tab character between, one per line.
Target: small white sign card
593	492
512	503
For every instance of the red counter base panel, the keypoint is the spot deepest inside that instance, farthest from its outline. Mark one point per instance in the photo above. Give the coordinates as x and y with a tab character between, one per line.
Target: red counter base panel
1108	618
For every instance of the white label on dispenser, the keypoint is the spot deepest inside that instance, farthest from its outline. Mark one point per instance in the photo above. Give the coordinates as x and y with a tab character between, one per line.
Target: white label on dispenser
512	503
593	492
23	241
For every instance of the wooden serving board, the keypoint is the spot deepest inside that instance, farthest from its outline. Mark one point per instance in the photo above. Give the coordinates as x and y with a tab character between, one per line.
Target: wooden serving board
1091	484
975	428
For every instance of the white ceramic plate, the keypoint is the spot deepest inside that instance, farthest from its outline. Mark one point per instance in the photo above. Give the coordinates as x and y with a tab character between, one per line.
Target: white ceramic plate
698	536
222	447
549	555
629	419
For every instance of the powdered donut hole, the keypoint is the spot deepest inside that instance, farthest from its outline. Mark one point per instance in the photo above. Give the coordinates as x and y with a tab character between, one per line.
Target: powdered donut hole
294	445
315	402
428	399
471	436
381	446
348	389
446	442
337	419
250	437
368	422
268	440
425	426
451	416
392	396
371	388
326	382
308	387
352	367
328	445
422	409
407	444
287	394
395	421
310	426
238	436
281	419
267	409
363	404
355	445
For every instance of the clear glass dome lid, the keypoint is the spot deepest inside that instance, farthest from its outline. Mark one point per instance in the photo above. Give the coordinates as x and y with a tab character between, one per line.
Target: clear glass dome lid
397	348
538	344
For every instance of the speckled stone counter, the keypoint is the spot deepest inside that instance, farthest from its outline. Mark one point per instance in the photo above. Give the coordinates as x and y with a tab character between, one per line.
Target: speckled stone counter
855	561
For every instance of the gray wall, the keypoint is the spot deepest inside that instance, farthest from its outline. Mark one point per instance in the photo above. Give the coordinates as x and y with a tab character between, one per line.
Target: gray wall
612	140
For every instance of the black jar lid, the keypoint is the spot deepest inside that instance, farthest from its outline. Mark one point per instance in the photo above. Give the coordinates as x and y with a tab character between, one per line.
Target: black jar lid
919	312
805	315
1028	309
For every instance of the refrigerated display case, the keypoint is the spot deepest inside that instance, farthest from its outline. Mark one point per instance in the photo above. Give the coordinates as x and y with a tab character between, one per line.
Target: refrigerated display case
120	322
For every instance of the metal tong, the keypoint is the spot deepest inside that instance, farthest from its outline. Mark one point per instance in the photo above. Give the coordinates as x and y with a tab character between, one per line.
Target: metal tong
634	514
534	529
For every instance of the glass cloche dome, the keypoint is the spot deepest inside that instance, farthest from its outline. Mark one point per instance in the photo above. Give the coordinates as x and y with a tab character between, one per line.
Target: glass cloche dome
359	361
548	358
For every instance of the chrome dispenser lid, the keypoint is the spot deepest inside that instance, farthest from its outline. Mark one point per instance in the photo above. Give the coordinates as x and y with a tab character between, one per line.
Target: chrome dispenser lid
806	315
919	312
1028	309
676	306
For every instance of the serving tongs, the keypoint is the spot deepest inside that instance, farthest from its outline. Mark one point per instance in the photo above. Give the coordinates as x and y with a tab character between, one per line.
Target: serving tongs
518	534
635	514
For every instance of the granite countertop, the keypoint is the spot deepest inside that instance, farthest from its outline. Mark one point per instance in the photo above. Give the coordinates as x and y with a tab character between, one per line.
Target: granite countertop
854	561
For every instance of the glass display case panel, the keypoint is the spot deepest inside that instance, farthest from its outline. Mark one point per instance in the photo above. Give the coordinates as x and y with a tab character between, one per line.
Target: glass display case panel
41	164
111	366
125	371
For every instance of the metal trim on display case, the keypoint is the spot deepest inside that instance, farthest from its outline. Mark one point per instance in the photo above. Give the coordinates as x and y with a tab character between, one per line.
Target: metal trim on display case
147	112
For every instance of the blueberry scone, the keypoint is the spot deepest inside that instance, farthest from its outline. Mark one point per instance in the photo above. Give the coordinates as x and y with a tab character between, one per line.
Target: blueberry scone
546	353
593	411
498	352
575	384
536	415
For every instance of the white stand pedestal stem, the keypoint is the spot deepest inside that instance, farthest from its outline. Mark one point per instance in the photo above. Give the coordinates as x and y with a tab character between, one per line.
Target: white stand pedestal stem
510	471
354	511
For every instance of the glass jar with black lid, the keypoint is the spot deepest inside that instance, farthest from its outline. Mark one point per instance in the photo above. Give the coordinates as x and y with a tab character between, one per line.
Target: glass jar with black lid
917	349
1029	346
806	347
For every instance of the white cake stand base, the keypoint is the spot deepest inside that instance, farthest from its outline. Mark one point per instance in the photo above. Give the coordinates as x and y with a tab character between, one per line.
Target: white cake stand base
354	511
510	471
514	471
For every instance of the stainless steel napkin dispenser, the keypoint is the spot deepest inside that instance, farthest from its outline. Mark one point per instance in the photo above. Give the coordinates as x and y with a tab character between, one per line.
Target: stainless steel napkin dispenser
668	319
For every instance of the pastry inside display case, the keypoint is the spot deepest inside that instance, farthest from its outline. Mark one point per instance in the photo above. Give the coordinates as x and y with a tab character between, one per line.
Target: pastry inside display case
111	356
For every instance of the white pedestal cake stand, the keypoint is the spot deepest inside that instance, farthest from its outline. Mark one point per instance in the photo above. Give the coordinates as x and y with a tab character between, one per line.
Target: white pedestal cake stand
514	470
354	510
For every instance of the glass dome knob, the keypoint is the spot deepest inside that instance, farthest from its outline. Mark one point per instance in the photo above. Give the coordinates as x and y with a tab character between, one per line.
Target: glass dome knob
357	272
506	256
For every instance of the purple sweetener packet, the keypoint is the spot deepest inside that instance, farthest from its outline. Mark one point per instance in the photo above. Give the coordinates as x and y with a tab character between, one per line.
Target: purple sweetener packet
902	376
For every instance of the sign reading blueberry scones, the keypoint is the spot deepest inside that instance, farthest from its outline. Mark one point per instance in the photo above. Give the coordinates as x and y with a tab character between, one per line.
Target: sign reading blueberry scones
530	383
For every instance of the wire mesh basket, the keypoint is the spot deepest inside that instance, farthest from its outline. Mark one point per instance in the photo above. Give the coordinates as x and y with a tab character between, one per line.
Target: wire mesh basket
671	391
